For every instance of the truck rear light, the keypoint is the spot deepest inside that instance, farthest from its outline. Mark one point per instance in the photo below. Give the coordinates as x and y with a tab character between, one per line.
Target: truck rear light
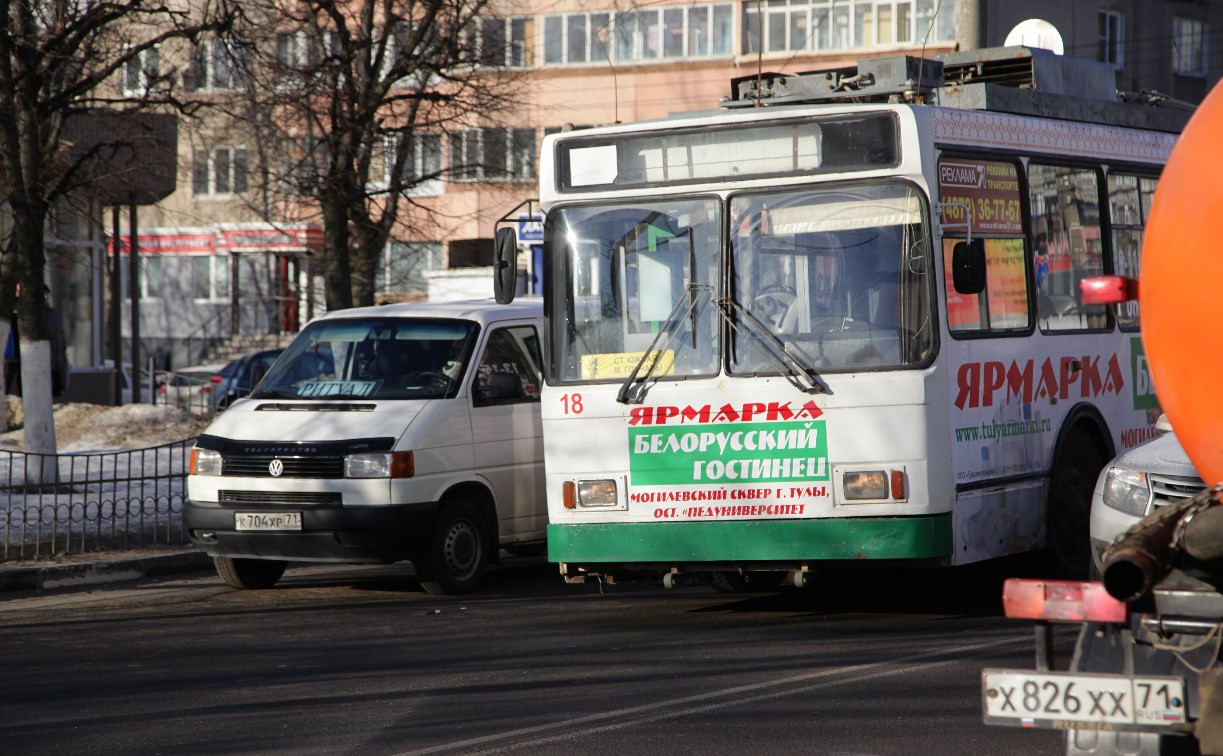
569	494
1060	601
1106	290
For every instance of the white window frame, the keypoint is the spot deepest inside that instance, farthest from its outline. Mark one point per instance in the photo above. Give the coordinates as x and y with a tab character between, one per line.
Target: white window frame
221	157
218	285
420	165
851	25
1188	46
435	260
204	58
473	142
1111	37
515	52
145	68
602	42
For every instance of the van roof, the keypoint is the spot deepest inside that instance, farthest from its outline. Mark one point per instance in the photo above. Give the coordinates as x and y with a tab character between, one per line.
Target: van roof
482	311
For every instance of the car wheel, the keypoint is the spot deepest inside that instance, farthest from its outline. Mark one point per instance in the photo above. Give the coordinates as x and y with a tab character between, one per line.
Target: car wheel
249	574
457	554
1069	513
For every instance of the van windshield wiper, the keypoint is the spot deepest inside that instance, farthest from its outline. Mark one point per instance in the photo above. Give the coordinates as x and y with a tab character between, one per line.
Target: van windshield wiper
633	390
773	349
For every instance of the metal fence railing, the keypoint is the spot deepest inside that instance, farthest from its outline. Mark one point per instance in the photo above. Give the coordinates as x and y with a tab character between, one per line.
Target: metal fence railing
75	503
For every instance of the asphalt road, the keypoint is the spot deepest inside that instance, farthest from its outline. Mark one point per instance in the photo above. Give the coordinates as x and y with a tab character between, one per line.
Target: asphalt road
340	660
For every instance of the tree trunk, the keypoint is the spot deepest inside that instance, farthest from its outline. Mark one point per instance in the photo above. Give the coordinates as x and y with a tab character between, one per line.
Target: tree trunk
337	276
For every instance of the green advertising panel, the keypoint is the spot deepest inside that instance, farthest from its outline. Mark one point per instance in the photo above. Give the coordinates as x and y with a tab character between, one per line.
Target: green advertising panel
727	454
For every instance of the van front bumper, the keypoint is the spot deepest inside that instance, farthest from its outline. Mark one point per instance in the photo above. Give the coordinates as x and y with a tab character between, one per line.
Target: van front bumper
372	535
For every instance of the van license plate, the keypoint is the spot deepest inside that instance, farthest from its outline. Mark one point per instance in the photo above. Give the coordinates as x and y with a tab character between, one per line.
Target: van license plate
267	521
1054	700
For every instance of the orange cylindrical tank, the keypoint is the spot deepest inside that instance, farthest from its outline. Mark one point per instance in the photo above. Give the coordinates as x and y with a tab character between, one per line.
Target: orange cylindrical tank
1181	288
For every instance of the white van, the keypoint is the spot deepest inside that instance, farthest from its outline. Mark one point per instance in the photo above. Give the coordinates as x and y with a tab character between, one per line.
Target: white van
407	431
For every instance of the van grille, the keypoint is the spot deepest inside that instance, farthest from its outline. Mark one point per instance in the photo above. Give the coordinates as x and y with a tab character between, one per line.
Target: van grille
304	498
1169	489
256	466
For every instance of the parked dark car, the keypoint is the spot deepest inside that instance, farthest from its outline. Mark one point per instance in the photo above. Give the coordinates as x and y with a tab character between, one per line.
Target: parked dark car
236	379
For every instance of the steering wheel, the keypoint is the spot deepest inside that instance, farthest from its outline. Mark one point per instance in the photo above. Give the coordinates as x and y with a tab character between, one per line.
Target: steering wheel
430	378
771	305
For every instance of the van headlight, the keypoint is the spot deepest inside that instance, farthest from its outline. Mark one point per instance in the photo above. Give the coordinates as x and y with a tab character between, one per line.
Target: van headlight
1127	491
205	462
380	465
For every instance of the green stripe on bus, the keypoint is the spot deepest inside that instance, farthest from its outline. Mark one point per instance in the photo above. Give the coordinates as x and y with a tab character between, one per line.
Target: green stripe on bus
747	540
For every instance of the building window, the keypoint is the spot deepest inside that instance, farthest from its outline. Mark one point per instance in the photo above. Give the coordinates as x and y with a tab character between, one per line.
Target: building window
812	25
141	72
492	155
422	166
1109	40
507	42
221	170
210	276
150	276
404	266
1188	47
217	64
644	34
301	164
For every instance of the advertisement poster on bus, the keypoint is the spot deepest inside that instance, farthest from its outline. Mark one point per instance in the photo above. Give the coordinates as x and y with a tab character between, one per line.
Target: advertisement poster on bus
728	462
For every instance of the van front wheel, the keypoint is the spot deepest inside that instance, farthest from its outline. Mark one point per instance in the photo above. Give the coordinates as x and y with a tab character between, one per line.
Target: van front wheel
457	553
249	574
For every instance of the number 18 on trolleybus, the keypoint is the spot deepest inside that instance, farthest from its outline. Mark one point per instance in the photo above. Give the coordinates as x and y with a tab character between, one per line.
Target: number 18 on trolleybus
839	319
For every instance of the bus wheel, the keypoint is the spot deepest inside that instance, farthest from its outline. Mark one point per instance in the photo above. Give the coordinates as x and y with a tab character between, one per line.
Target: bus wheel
249	574
1069	515
745	582
457	552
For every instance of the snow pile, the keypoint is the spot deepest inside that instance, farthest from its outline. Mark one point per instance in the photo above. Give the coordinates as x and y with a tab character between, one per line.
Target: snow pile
94	427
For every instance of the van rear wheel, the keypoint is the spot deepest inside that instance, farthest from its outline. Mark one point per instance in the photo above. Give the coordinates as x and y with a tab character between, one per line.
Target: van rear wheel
249	574
457	554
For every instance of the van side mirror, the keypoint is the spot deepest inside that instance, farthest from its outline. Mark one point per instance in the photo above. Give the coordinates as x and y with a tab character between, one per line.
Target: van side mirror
505	265
968	266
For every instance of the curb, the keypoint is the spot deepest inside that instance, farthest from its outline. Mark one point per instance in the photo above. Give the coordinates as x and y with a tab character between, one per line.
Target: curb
53	576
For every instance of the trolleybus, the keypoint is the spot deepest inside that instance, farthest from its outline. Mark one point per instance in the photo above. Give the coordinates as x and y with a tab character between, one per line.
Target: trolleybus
839	319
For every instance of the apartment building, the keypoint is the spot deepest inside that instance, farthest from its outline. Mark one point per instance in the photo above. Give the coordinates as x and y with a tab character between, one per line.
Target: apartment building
218	257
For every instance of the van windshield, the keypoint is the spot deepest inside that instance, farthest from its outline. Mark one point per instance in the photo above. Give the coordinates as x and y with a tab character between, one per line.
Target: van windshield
373	358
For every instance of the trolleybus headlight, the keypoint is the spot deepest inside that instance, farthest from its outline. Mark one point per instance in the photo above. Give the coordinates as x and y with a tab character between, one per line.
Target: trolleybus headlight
379	465
865	484
1127	491
596	493
205	462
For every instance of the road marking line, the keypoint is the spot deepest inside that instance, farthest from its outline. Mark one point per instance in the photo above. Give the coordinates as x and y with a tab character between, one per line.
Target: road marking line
655	710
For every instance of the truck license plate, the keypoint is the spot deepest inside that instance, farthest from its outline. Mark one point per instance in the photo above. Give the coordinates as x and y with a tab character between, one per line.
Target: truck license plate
1058	700
267	521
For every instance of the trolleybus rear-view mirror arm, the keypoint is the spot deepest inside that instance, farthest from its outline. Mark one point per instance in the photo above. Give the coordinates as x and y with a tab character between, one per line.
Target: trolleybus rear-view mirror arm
786	364
626	395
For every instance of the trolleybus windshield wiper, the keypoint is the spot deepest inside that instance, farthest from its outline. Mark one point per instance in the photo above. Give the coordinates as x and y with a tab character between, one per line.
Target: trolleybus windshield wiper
770	347
632	391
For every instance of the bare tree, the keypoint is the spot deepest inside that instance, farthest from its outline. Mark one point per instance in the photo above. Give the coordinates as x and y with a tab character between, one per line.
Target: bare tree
59	60
347	105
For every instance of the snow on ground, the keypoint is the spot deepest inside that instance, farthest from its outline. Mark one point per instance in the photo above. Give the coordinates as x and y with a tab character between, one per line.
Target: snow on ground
94	427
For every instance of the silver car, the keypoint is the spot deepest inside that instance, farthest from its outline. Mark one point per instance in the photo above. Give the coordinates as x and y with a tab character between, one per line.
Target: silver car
1155	474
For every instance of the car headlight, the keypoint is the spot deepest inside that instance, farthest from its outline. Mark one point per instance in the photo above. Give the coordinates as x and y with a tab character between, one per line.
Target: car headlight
379	465
205	462
1127	491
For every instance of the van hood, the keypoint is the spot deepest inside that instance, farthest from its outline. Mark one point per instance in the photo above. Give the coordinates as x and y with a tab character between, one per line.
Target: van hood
1162	456
279	420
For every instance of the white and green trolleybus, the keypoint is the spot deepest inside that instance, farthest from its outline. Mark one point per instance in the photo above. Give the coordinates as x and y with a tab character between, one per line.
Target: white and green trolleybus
839	319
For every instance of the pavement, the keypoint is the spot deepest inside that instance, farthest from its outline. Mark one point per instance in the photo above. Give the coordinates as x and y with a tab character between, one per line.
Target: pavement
100	568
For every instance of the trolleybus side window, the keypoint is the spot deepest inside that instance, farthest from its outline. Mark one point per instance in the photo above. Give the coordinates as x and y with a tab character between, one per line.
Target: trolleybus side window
1068	245
985	195
1129	204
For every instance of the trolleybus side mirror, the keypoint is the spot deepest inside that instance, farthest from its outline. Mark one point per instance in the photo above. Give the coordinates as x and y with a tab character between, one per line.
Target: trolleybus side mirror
968	266
505	265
